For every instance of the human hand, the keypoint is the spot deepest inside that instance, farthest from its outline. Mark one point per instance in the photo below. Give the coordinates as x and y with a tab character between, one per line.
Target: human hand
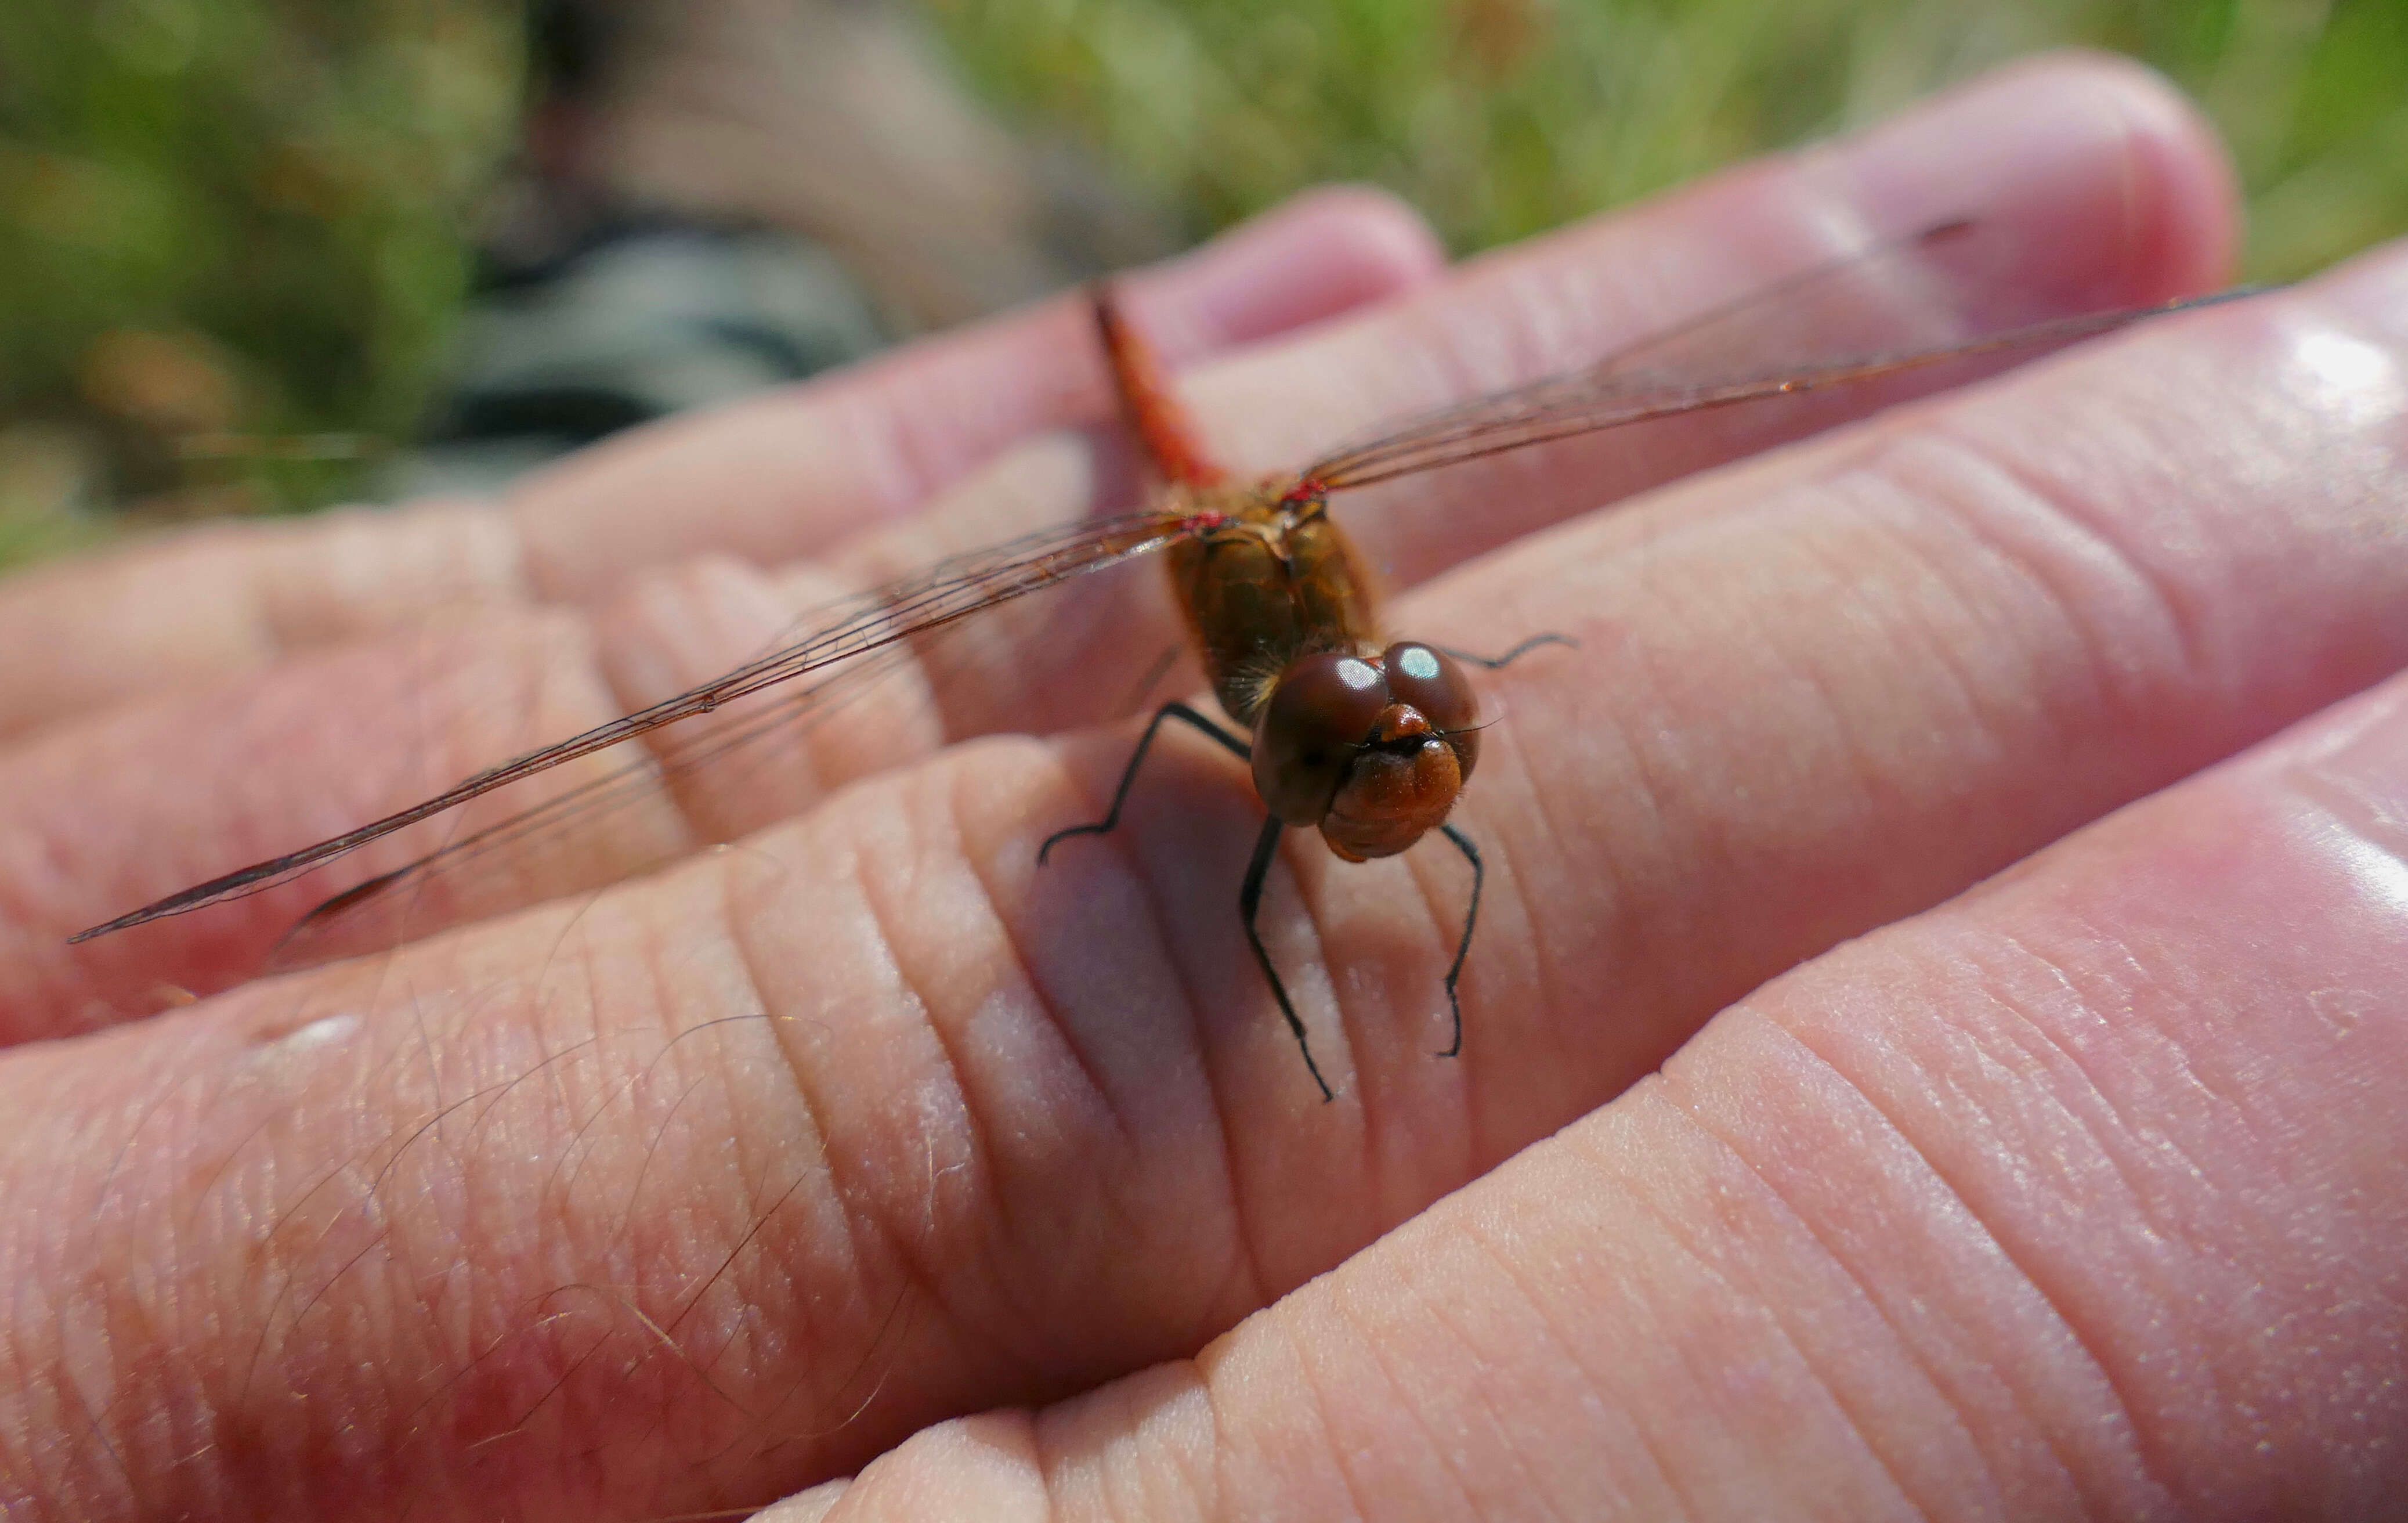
2075	1192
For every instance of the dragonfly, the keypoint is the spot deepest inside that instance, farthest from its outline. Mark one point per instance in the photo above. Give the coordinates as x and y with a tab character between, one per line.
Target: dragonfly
1368	742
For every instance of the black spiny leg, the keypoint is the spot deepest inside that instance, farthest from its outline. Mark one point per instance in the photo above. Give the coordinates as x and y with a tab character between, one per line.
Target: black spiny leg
1250	900
1250	896
1470	918
1492	663
1137	759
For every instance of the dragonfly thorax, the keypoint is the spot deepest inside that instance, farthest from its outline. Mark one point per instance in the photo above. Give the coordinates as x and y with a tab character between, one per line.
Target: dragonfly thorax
1270	580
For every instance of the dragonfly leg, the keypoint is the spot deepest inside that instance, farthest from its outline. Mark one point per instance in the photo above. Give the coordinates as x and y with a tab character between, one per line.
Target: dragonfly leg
1492	661
1250	900
1137	759
1470	918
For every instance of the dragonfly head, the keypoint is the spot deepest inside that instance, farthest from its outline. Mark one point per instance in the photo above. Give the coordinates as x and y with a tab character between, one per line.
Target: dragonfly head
1371	750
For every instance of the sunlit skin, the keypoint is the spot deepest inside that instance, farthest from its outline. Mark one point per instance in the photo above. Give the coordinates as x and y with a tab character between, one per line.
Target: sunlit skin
1933	1040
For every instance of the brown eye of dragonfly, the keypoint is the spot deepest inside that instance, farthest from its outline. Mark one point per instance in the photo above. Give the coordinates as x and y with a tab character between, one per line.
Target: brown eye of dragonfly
1372	752
1436	684
1312	730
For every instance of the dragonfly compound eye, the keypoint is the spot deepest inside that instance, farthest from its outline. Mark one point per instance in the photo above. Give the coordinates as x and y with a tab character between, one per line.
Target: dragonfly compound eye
1436	684
1345	744
1318	719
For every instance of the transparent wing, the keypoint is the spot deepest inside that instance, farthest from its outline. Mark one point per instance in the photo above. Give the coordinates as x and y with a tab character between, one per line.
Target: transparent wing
1783	340
445	886
852	643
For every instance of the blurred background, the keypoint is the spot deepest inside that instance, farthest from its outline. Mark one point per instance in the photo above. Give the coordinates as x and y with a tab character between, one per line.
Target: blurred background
260	255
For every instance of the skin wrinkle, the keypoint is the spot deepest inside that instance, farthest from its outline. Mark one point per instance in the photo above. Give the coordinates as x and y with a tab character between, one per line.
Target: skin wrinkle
1539	801
1500	1259
685	1297
1649	797
660	999
1504	876
1668	1478
1319	1405
2124	1416
563	1180
1247	1257
809	1138
1678	1233
1972	717
1710	847
1865	777
1208	1484
1250	1235
911	1273
1125	1131
1017	961
754	1169
1307	914
623	1233
1402	1393
1867	1292
998	1198
855	1201
2045	1045
2183	658
1427	877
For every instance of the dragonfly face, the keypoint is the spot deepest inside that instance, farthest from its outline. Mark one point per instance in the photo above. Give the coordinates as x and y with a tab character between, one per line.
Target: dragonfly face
1371	750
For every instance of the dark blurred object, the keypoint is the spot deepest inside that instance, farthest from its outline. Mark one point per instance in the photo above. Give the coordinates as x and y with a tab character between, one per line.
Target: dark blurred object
837	121
647	317
712	196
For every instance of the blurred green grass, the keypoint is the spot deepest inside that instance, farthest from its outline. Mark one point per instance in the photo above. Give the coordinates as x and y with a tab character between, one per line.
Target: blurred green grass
231	244
1500	118
233	236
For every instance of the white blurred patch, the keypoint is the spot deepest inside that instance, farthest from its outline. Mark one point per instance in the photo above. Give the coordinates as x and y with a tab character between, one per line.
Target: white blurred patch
2374	869
325	1031
2347	378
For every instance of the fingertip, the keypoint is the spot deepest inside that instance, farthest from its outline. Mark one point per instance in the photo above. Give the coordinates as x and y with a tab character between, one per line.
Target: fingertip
1316	256
2115	182
2185	194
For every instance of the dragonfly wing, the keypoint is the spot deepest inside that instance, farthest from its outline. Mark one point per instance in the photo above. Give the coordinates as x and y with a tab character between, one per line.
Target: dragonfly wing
604	828
870	626
1935	295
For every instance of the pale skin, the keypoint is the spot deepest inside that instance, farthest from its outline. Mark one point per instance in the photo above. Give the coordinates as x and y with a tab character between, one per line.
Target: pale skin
867	1163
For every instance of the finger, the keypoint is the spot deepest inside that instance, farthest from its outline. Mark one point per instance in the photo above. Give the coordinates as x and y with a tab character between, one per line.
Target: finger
2083	1196
999	1134
772	478
2103	142
754	480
